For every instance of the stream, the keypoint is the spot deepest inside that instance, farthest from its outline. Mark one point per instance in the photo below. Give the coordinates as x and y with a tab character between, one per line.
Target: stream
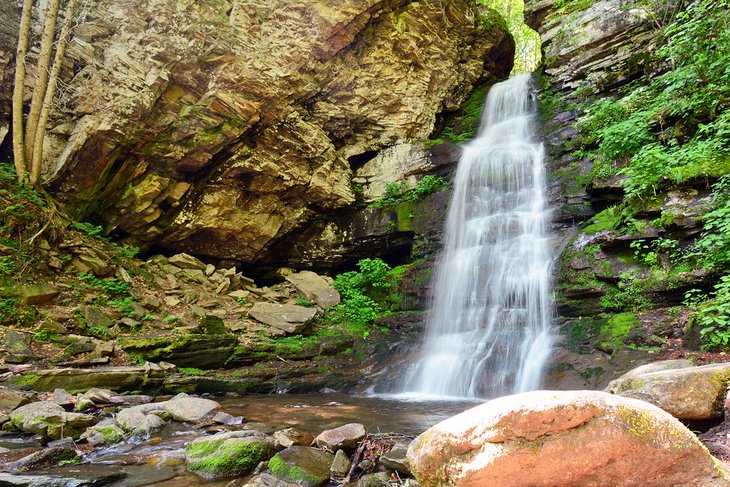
160	460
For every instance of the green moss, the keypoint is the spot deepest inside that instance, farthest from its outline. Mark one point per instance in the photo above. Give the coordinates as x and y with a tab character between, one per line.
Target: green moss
225	458
617	328
608	219
290	473
25	381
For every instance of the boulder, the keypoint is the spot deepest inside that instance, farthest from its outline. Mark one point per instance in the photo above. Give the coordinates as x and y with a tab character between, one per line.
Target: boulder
190	409
50	420
346	437
142	419
293	437
288	318
688	393
302	465
563	438
315	288
230	454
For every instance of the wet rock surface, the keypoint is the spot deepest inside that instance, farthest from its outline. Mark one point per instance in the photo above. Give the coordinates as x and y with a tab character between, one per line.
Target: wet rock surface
530	438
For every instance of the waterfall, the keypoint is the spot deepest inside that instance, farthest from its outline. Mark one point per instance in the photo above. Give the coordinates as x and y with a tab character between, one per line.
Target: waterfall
489	330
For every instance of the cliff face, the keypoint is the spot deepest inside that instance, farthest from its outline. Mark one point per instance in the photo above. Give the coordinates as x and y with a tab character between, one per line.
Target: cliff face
627	257
218	127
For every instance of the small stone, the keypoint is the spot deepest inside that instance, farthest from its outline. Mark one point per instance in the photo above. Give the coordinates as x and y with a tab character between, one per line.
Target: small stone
52	326
341	465
105	348
240	294
211	325
63	398
150	302
99	396
379	479
79	348
232	454
227	419
84	403
345	437
209	270
396	458
293	437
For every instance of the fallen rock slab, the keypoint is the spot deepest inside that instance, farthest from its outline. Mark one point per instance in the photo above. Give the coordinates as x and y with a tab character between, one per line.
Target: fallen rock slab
315	288
563	438
688	393
118	379
289	318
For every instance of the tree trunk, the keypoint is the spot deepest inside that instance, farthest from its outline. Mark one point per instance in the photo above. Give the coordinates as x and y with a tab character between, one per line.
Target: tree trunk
19	84
41	82
37	161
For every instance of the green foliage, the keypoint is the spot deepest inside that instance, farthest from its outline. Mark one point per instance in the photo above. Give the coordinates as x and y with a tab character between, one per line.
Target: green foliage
124	305
398	192
676	128
46	336
366	295
608	219
130	252
569	6
715	240
106	285
89	229
302	301
713	318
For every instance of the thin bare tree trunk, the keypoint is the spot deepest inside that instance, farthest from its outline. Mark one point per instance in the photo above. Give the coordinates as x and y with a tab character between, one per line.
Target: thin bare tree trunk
41	82
35	173
19	85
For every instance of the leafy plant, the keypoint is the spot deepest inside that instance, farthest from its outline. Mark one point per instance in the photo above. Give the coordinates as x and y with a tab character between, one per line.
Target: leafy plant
106	285
302	301
130	252
90	229
713	318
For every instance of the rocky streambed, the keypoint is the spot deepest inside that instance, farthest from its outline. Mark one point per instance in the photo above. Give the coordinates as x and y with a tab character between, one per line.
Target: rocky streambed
103	438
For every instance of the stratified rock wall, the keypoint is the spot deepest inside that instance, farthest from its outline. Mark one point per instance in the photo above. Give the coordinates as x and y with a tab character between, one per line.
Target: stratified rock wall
217	127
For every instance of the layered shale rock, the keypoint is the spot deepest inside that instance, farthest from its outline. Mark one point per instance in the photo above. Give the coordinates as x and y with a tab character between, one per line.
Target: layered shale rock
217	128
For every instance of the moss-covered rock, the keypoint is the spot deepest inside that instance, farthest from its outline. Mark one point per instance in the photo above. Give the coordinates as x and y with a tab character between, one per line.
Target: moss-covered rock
50	420
199	351
228	454
688	393
302	465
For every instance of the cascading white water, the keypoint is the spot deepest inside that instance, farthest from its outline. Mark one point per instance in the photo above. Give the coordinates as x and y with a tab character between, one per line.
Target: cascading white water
489	330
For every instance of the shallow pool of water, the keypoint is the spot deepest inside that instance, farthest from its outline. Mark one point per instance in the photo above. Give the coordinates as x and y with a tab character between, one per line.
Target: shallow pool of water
160	460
